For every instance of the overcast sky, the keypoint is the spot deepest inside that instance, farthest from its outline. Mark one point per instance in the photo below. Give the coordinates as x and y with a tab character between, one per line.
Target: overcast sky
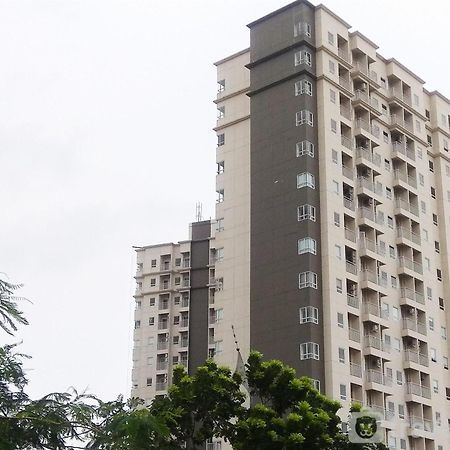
106	142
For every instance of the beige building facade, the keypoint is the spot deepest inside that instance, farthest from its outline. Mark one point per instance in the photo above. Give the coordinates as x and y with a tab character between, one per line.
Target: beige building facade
331	246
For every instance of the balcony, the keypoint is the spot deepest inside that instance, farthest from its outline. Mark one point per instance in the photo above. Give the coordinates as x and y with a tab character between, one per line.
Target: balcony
370	188
349	203
402	151
163	325
184	342
409	267
184	322
397	94
407	237
420	427
348	172
378	377
418	390
345	83
344	54
366	157
404	180
162	365
407	294
361	97
346	112
184	302
373	309
406	209
371	280
354	335
351	267
161	386
184	362
352	300
366	129
409	324
162	345
347	142
165	285
401	124
355	370
374	345
413	356
369	248
384	414
186	263
362	71
367	216
350	235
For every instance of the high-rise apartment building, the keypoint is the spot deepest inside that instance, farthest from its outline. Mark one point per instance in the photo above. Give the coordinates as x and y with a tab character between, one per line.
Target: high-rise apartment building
332	239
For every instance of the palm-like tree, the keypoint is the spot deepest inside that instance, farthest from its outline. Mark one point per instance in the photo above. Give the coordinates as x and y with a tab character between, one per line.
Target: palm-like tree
10	315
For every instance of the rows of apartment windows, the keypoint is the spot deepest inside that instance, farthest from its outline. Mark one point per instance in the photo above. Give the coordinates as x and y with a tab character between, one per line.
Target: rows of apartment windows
165	263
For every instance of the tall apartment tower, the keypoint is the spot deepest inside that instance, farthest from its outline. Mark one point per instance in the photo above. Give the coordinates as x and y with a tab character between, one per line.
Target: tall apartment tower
333	210
331	245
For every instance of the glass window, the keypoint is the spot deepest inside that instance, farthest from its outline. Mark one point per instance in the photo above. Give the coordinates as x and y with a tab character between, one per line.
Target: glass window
304	117
303	87
306	179
307	245
304	148
307	280
306	212
309	350
309	314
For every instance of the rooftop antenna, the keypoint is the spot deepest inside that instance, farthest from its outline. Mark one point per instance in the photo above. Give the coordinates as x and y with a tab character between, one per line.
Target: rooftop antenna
198	212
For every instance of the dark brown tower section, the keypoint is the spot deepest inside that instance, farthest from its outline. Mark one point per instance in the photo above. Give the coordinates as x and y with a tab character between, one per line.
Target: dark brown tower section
275	297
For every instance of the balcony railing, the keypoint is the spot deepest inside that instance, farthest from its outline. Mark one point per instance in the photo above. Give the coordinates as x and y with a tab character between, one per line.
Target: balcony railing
161	386
351	267
411	324
355	370
349	203
375	376
374	309
352	300
364	153
346	112
354	335
421	424
184	322
367	183
416	357
347	142
402	176
162	365
350	234
367	213
412	295
377	343
368	244
403	204
348	172
364	97
397	93
360	67
399	121
405	263
406	233
344	54
417	389
367	126
400	147
345	83
162	345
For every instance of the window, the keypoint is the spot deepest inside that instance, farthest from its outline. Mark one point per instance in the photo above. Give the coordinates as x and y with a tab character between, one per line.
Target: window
153	263
332	96
441	303
438	418
445	362
150	361
335	187
137	324
392	252
219	314
436	247
402	444
138	304
447	393
178	262
309	350
427	114
385	137
418	125
176	300
304	117
218	347
429	140
306	212
395	311
338	251
176	320
220	112
396	344
220	167
152	282
337	219
152	301
309	314
220	86
421	179
331	67
433	192
330	38
431	166
340	320
307	245
175	360
303	57
303	87
341	353
419	153
423	206
219	255
390	221
176	340
435	219
446	145
416	99
177	281
307	280
151	321
343	392
220	139
220	196
401	412
333	126
334	156
389	193
339	285
399	381
151	340
304	148
316	385
439	274
429	294
431	323
219	224
447	170
387	165
306	179
427	263
302	28
383	83
433	354
436	386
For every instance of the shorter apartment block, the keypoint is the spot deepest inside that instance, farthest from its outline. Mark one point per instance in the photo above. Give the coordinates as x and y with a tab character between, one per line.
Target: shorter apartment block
175	287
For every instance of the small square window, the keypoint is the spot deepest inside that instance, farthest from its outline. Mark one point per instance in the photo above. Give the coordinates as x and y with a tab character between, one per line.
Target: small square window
307	245
436	247
421	179
333	126
152	282
220	139
331	67
151	321
339	285
435	219
441	303
340	320
153	263
332	96
341	355
433	192
337	219
343	392
439	274
423	206
431	166
330	38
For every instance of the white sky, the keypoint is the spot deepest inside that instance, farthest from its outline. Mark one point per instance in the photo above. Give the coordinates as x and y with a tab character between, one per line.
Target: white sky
105	142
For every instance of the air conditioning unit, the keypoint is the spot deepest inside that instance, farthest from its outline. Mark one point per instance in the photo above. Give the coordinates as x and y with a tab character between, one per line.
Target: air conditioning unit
411	311
364	86
375	328
378	363
413	345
